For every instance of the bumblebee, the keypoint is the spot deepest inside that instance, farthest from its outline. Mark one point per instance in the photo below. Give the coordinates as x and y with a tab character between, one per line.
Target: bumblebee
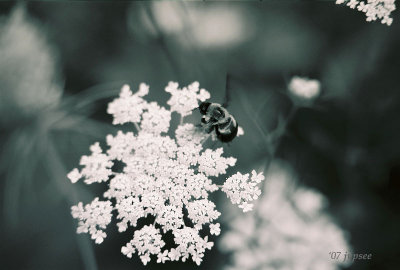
216	117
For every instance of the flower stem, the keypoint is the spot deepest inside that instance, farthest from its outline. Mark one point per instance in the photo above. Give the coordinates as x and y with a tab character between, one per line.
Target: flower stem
155	218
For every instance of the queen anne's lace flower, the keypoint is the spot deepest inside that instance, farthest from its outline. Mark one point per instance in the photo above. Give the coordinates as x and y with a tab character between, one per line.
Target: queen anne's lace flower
202	212
74	175
215	229
121	145
188	134
242	189
146	241
373	9
190	243
97	167
155	119
212	163
184	100
163	177
93	218
128	107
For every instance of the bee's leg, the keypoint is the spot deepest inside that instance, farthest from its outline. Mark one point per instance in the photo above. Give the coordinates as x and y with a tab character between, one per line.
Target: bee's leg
227	97
203	123
209	129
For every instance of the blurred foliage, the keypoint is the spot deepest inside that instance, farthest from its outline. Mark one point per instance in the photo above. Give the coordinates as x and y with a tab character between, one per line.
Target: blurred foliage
346	145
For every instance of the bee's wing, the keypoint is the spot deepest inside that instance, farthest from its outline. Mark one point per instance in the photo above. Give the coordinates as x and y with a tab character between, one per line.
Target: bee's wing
261	106
227	97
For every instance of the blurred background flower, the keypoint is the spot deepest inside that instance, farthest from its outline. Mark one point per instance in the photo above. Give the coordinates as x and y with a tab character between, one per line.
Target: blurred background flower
62	62
288	229
28	71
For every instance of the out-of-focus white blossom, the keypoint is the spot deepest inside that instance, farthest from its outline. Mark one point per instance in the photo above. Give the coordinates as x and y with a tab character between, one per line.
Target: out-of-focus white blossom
29	72
373	9
304	88
288	229
240	131
161	177
219	26
308	201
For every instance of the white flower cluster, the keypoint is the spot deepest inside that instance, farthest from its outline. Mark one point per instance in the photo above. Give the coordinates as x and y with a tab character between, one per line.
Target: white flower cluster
93	218
167	178
97	167
146	241
287	230
373	9
240	190
183	101
304	88
129	107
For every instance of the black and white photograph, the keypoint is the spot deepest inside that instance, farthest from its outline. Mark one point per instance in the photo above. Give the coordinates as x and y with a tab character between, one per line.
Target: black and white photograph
200	135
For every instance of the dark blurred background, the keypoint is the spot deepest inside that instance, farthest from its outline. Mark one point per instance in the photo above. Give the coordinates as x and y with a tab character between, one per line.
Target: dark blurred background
62	62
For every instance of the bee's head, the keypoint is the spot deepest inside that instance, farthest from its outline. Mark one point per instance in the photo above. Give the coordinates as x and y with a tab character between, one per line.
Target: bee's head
203	107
